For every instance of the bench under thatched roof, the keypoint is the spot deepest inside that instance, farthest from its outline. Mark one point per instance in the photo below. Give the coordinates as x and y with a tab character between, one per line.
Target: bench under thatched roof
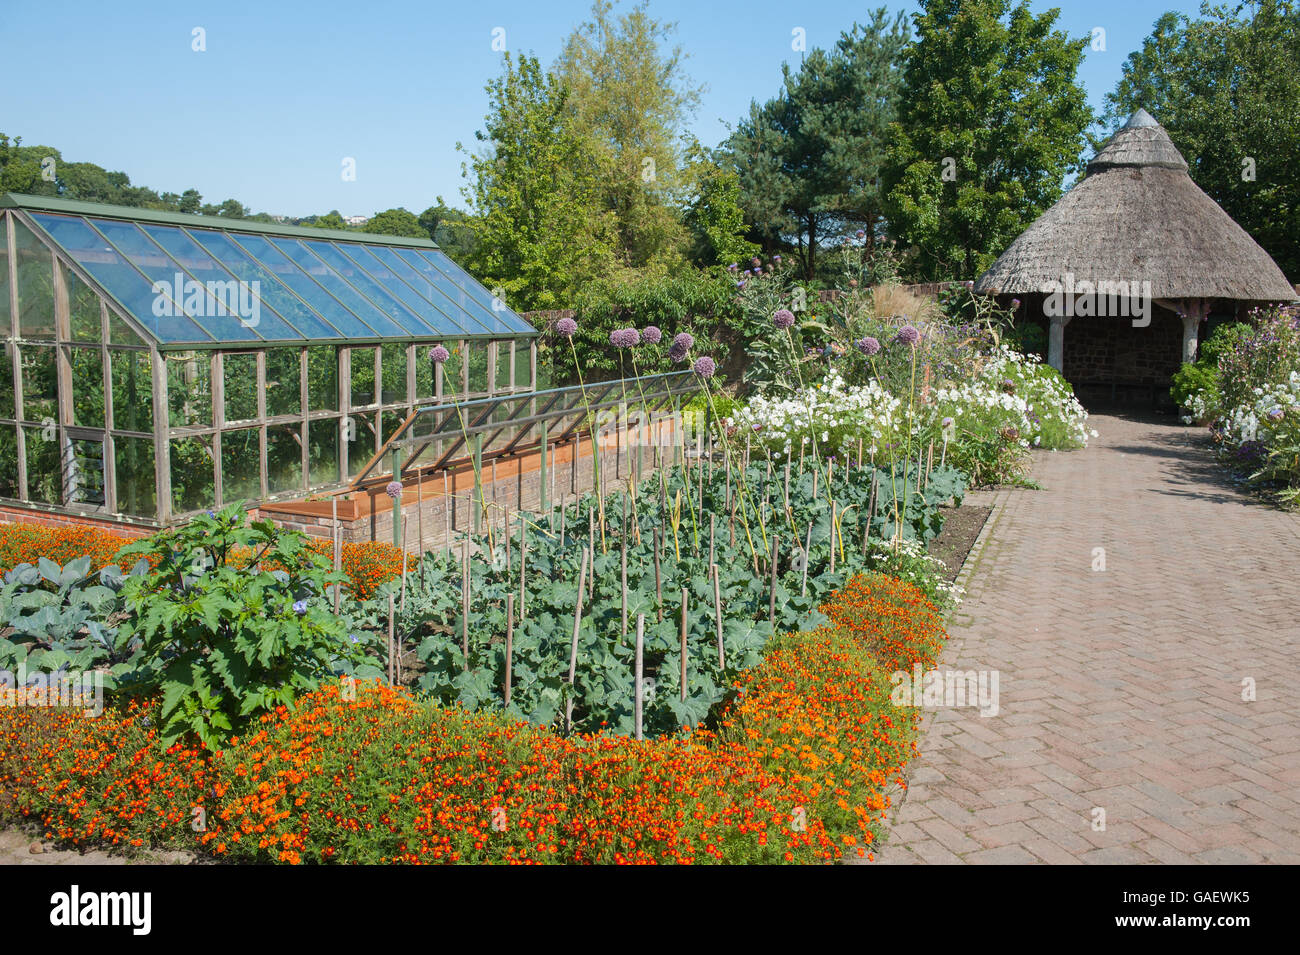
1137	216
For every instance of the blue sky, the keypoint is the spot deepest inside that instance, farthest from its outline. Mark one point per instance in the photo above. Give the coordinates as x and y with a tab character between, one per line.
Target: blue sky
284	92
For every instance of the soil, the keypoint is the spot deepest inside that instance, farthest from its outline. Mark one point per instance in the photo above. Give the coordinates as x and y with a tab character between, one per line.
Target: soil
961	528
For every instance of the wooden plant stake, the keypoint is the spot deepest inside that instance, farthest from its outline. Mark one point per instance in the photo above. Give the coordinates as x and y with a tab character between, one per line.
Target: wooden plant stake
787	485
807	559
717	615
929	462
623	569
392	643
573	645
523	563
659	582
815	475
713	530
771	601
859	454
640	675
683	639
464	606
510	644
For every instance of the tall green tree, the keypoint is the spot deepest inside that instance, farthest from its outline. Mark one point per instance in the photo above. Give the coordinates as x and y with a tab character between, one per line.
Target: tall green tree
533	190
629	94
1226	86
991	121
809	159
715	216
397	222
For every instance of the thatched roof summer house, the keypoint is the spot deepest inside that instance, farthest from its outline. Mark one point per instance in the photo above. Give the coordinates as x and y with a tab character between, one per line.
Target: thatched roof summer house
1131	252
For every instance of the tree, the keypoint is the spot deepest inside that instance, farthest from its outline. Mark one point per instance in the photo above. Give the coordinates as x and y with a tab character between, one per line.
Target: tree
715	217
395	222
452	230
330	220
809	160
991	121
534	191
630	97
1227	89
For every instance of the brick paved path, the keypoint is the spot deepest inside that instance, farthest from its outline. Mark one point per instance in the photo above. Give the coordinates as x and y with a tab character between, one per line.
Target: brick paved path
1120	690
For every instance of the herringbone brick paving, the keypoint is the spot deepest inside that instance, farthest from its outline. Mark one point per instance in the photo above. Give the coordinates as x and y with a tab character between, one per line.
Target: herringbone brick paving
1120	689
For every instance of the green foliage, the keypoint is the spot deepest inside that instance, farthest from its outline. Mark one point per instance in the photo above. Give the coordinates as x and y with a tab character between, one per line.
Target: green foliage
1196	381
223	637
994	89
65	618
1226	86
395	222
809	159
716	219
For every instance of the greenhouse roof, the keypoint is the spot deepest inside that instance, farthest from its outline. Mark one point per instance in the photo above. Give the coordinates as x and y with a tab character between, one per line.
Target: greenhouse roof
200	280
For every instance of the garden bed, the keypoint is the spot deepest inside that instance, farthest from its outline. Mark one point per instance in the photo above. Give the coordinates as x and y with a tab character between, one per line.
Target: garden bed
961	529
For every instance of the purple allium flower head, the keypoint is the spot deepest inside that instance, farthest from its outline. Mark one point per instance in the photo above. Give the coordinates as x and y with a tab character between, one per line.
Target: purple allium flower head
439	354
394	489
300	607
624	337
566	327
868	346
1015	303
784	318
685	339
861	233
705	367
651	335
908	335
681	346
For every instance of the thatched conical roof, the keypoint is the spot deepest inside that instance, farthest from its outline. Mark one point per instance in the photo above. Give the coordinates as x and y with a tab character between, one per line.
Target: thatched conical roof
1137	216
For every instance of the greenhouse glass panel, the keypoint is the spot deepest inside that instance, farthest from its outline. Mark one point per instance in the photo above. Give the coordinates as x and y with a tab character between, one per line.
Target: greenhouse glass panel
367	286
8	461
361	443
307	288
85	471
40	384
363	377
44	480
283	382
366	258
502	380
482	319
380	323
132	376
7	380
504	319
523	363
323	451
240	386
212	315
5	327
393	368
87	387
125	283
228	296
241	465
284	458
424	372
193	486
35	266
137	493
464	322
323	378
83	307
307	323
189	390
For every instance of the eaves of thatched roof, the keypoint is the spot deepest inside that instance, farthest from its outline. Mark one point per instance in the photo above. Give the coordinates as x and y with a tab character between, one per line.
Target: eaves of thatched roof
1135	217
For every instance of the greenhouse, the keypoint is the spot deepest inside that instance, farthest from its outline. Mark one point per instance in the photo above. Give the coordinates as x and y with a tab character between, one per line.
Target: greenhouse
159	364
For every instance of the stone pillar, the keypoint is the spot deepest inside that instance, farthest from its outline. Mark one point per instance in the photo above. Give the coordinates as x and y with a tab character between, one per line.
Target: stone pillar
1056	342
1191	328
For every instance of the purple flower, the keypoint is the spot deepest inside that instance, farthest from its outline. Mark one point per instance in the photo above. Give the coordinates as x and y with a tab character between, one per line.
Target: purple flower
1015	303
566	327
300	607
868	346
946	423
776	259
732	267
394	489
704	366
755	261
624	337
1275	414
861	234
740	285
651	335
908	335
784	318
439	354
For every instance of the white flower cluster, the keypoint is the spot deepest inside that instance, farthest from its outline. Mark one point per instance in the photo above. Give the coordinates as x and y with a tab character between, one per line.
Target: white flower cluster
1274	408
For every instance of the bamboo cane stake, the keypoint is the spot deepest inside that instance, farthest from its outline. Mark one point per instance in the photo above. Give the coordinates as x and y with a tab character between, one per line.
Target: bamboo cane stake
392	623
717	615
659	584
787	485
640	675
771	601
523	563
573	644
510	645
834	514
713	530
